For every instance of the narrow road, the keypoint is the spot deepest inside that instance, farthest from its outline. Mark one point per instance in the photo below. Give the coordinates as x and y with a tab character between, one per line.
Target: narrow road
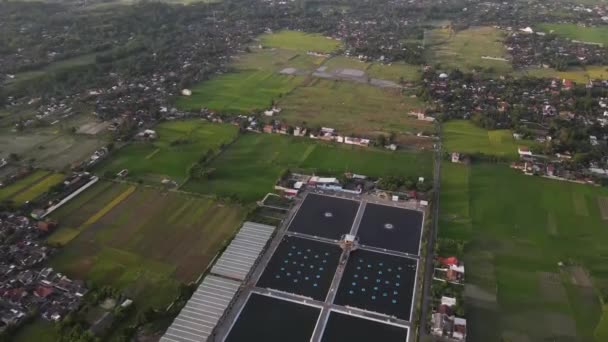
428	269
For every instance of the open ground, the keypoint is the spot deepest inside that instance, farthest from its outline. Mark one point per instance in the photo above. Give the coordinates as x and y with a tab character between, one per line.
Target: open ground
466	49
464	137
52	147
353	105
515	286
352	108
250	167
180	144
141	240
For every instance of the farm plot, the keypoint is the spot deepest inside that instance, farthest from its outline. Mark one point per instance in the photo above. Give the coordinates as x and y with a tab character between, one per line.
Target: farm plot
250	167
30	187
239	92
476	48
180	144
143	241
258	81
515	285
52	149
352	108
464	137
598	35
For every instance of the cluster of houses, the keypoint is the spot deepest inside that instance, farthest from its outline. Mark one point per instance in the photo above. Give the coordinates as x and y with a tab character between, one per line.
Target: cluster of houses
557	167
325	134
450	270
528	48
445	322
291	184
25	285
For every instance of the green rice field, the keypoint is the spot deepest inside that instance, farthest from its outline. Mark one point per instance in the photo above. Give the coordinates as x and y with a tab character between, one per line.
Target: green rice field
468	49
516	288
240	92
251	166
464	137
180	144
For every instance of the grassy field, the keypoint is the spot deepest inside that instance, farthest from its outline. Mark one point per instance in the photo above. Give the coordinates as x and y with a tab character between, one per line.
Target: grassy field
240	92
395	72
153	161
572	31
141	240
275	60
464	49
53	148
463	136
30	187
301	41
515	288
257	81
352	108
250	167
579	75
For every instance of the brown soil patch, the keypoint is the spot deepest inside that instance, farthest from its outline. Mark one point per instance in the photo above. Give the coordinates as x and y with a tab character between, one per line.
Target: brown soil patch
551	287
561	325
580	276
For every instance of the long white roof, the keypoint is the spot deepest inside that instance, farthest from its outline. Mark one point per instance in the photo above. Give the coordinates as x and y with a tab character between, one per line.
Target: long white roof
243	251
201	314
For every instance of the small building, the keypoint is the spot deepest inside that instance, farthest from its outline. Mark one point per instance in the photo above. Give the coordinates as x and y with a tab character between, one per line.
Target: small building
147	134
524	151
47	226
455	157
391	147
123	173
460	329
186	92
268	129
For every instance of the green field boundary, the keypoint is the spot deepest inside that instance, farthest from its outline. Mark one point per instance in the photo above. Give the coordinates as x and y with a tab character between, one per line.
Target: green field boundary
601	330
108	207
40	187
12	189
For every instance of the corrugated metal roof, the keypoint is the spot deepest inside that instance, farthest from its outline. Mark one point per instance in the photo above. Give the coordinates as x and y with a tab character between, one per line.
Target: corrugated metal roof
199	317
243	251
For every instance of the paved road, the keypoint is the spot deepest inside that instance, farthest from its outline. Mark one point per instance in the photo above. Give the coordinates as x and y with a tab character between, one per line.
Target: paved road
428	269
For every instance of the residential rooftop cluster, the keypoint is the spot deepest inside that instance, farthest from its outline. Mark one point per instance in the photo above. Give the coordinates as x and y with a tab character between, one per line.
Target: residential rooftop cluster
26	285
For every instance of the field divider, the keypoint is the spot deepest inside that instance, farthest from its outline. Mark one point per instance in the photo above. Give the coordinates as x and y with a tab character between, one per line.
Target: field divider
108	207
